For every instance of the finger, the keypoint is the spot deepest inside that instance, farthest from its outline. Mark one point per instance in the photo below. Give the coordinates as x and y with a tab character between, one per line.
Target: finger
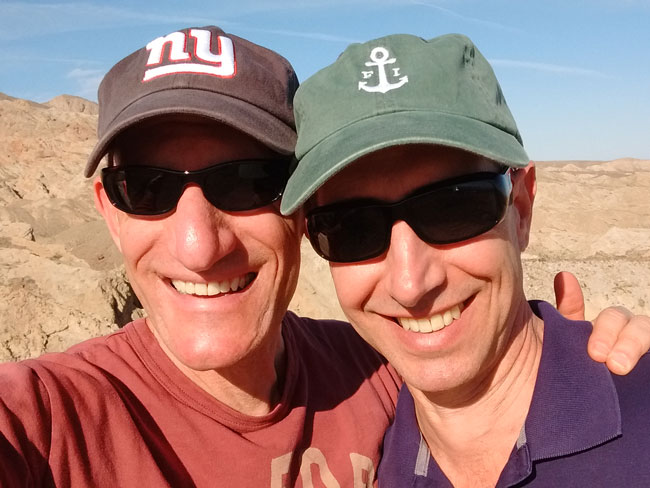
608	327
568	296
633	342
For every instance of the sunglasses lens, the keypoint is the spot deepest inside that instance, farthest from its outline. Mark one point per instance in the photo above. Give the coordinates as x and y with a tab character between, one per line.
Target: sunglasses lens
456	213
348	235
245	185
233	186
355	231
142	191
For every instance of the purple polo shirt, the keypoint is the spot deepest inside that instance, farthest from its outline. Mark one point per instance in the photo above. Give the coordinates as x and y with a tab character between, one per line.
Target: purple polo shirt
585	428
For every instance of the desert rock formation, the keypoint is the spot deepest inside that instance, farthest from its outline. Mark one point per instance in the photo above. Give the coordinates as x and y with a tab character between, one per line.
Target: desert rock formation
62	280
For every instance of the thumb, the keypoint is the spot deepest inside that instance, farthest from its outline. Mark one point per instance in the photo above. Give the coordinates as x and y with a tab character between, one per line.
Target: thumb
568	296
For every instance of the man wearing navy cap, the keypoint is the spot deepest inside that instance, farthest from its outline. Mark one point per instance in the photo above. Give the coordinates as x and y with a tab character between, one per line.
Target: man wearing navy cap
219	385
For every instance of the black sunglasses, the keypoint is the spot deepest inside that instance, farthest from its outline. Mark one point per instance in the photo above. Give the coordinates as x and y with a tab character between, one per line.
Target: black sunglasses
445	212
231	186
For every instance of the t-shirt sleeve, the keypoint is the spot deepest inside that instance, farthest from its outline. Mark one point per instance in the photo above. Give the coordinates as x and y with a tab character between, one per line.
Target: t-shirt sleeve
25	427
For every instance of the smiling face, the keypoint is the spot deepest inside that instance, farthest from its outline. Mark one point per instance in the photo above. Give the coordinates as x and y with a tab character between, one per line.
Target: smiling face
215	284
443	315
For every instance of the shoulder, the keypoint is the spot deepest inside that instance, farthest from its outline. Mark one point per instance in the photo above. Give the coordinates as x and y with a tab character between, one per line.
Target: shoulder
331	336
631	449
18	381
562	337
335	343
335	348
79	366
633	392
590	385
60	400
115	343
81	382
567	338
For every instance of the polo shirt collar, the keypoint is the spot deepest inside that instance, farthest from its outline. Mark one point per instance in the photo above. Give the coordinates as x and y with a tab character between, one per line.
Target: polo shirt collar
575	405
574	408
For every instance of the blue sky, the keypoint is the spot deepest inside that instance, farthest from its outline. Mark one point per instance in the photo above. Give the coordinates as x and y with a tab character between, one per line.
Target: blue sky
576	73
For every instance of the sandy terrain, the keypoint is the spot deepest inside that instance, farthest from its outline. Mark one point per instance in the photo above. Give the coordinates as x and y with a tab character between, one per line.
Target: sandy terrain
61	279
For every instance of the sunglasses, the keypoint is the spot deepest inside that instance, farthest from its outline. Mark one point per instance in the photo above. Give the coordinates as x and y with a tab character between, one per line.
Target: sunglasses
232	186
445	212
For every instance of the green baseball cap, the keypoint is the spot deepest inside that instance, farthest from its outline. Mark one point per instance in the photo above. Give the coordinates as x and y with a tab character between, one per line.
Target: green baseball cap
399	89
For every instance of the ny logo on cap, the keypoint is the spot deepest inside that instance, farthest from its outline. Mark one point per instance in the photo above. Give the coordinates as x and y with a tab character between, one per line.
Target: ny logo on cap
379	57
204	61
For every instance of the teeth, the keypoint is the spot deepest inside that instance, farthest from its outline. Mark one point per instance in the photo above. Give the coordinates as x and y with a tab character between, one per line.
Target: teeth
447	318
455	311
437	322
234	284
179	285
424	325
212	288
200	289
431	324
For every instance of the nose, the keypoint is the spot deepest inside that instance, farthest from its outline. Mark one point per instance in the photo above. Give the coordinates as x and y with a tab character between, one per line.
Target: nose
200	233
415	269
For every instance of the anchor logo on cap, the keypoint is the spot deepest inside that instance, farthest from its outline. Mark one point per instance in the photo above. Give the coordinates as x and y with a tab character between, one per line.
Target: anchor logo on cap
379	57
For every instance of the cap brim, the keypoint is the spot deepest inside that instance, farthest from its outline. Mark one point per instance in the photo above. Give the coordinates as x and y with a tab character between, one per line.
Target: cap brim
250	119
408	127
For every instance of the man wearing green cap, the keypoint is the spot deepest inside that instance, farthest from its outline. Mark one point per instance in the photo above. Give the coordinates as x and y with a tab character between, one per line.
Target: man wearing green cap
419	192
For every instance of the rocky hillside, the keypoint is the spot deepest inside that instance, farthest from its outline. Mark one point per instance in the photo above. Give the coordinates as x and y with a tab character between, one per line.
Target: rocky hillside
62	280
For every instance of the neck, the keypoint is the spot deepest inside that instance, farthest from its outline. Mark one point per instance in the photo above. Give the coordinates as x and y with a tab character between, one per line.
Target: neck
253	386
472	438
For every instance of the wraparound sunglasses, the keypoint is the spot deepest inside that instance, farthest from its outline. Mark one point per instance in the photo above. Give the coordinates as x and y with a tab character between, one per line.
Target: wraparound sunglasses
232	186
445	212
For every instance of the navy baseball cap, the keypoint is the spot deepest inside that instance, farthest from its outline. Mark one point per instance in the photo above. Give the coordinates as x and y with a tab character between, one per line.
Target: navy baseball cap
205	72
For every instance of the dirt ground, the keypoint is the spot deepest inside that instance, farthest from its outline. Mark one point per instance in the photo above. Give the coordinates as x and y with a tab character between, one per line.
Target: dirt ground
61	279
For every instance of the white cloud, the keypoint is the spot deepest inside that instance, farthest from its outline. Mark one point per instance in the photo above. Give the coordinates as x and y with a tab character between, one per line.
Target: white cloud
78	73
551	68
87	80
466	18
620	4
20	19
30	59
248	6
305	35
25	19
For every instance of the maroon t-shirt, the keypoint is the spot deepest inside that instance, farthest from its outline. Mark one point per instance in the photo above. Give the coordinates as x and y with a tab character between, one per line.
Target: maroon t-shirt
114	411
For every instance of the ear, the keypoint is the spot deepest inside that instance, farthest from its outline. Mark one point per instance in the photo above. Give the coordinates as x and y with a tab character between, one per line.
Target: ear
301	221
108	211
304	210
524	188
